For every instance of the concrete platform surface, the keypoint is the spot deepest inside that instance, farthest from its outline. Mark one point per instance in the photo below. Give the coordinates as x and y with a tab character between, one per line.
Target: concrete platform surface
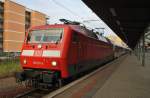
124	78
130	80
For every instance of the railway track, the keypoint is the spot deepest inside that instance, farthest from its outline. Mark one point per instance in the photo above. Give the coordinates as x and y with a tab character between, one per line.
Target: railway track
34	93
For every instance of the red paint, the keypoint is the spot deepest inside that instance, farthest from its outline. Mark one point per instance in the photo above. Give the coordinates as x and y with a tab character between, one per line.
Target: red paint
86	49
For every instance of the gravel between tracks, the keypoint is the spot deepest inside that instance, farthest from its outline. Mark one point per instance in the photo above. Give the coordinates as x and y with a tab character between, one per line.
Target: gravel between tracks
9	88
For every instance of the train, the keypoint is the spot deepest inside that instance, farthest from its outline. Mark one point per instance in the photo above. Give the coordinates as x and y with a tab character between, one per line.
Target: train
53	53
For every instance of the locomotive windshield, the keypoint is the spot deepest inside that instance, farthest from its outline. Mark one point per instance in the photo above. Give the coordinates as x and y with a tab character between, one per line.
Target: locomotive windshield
45	36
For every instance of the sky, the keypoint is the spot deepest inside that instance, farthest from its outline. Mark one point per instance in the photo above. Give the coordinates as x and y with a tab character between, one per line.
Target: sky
74	10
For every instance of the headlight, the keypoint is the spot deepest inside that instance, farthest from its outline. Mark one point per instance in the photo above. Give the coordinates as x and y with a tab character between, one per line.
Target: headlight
39	46
24	61
54	63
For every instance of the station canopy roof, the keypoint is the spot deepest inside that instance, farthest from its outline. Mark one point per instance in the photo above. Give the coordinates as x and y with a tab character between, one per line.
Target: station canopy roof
128	23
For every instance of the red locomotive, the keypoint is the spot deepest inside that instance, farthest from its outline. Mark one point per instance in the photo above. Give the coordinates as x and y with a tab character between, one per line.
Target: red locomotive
51	53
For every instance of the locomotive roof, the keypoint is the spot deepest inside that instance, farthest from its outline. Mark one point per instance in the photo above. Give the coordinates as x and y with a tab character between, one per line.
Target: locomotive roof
77	28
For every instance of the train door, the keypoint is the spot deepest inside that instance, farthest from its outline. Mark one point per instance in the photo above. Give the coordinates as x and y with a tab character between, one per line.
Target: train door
76	54
79	56
115	51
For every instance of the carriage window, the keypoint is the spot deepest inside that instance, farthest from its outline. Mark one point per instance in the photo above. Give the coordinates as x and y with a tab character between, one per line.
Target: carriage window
75	37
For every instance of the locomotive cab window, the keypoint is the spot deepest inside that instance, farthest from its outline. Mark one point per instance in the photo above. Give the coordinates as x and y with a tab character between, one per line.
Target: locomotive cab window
75	37
45	36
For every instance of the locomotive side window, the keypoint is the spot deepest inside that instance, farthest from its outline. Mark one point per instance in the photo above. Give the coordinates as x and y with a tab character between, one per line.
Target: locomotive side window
28	37
75	37
44	36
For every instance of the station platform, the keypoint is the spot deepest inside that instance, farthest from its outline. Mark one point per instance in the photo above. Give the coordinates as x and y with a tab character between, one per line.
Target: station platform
123	78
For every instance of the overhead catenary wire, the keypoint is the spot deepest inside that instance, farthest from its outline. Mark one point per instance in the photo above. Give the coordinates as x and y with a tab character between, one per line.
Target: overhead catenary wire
70	11
67	9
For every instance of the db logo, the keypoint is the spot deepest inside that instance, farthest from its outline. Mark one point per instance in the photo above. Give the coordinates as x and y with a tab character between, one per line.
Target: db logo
38	53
